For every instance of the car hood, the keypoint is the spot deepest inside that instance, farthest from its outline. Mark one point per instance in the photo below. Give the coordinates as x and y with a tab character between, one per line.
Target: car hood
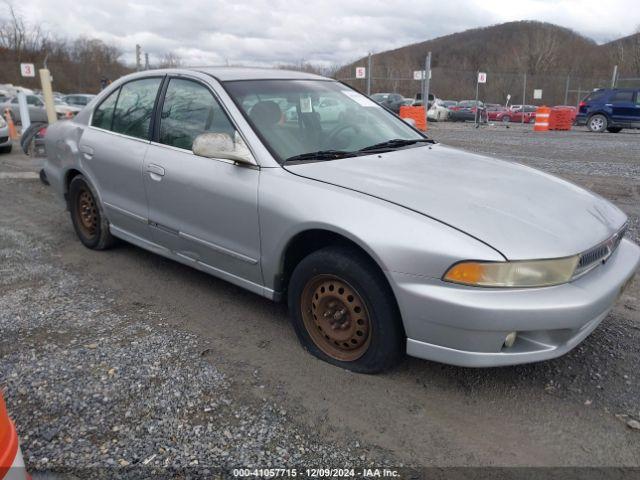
521	212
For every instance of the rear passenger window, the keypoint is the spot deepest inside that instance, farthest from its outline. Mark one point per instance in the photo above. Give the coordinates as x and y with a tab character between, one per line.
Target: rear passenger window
594	96
103	115
622	97
190	109
132	115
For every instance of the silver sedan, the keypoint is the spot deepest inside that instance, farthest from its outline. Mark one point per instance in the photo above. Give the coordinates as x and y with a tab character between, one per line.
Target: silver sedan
381	241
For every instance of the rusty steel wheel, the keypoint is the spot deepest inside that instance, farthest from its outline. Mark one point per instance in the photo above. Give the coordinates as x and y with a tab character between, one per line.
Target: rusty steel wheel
336	317
89	222
87	212
343	310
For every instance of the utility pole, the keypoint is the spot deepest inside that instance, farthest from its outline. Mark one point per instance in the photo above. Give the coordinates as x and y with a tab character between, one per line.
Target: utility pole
566	90
146	61
138	59
475	117
369	74
524	96
614	78
427	78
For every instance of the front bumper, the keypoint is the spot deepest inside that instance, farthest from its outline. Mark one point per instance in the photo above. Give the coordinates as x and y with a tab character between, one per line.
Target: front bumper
467	326
5	140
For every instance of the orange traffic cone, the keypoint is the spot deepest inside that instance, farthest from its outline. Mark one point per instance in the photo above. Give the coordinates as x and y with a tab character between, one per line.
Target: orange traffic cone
13	134
11	461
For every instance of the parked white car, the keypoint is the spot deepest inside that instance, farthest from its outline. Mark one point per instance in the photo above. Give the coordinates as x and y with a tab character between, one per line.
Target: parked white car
438	111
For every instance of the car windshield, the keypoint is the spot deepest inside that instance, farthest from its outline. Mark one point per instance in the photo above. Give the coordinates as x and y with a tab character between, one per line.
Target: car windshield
302	117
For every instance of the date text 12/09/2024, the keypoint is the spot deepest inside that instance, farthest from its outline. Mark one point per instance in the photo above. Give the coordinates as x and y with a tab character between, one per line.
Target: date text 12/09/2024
316	472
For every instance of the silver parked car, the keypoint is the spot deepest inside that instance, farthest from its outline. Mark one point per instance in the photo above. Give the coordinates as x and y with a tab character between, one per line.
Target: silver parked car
5	140
37	110
80	100
382	241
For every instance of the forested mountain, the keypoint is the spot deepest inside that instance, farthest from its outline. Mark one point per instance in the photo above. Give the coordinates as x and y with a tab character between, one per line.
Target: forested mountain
547	53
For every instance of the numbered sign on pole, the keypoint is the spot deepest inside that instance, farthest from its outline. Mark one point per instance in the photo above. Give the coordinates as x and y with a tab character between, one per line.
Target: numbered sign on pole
482	77
361	72
418	75
27	70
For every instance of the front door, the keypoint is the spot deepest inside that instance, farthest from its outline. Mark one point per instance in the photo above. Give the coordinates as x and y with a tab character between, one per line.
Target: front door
205	210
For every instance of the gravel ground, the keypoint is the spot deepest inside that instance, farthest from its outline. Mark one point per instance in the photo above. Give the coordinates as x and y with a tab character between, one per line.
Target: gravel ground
123	364
97	384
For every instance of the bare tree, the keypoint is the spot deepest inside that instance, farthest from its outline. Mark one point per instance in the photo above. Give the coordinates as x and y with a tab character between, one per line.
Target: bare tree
171	60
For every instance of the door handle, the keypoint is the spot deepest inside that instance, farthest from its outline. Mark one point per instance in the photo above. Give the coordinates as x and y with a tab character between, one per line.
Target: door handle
156	172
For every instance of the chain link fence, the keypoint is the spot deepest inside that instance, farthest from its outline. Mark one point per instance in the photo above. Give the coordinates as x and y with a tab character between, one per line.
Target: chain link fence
460	84
446	83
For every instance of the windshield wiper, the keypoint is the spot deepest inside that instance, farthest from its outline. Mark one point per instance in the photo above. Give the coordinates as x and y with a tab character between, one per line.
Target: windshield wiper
395	143
321	155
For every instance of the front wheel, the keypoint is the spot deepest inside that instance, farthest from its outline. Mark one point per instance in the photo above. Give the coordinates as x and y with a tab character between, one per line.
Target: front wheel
87	216
344	312
597	123
506	119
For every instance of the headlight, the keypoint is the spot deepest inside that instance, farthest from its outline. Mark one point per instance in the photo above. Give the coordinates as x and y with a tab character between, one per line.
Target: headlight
529	273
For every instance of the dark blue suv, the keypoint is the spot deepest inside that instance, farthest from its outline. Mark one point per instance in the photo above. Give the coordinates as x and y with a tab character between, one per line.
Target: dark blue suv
610	109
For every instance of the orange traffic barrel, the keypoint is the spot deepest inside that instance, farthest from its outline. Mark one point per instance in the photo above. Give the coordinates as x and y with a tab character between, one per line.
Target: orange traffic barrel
542	119
417	114
11	463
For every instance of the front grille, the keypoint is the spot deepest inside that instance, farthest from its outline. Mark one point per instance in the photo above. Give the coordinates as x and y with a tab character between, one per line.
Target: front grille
594	256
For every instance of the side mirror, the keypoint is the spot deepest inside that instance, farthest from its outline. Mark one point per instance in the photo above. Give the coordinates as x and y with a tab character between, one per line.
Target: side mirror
221	145
410	121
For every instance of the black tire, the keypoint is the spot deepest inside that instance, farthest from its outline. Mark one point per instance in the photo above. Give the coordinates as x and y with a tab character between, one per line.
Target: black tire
597	123
93	232
506	119
614	129
6	149
384	338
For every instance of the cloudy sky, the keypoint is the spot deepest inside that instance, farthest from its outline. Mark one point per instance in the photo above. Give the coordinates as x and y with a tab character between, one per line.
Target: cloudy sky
264	32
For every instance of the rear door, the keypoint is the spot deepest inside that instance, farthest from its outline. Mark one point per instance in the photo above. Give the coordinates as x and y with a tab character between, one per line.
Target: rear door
623	106
37	111
112	149
205	210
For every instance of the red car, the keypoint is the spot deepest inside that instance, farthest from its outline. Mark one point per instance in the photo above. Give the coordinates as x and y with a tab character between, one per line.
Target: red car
11	463
494	110
516	115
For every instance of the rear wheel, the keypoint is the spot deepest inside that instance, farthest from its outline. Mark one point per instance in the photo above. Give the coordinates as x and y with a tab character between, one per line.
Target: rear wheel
597	123
87	216
614	129
344	312
506	119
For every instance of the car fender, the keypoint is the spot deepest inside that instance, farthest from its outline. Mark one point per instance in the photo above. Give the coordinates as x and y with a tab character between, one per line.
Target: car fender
396	238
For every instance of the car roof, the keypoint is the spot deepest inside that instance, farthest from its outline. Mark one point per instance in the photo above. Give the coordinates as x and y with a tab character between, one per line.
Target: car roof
225	74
